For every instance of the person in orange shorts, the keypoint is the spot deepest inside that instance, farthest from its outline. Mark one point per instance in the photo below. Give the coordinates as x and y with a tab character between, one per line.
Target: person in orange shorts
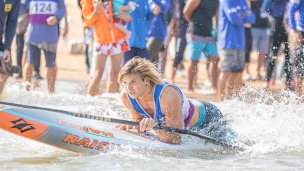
109	41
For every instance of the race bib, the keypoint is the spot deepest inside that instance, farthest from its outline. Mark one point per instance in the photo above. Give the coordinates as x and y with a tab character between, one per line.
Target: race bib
43	7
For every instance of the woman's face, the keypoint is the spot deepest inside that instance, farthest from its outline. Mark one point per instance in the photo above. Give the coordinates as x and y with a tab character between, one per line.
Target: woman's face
134	85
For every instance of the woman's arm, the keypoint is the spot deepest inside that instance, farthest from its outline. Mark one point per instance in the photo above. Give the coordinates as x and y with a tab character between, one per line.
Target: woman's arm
171	104
134	114
190	6
90	11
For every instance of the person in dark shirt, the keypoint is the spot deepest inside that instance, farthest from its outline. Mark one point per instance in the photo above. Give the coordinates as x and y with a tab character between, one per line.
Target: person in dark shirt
181	41
8	22
261	31
199	15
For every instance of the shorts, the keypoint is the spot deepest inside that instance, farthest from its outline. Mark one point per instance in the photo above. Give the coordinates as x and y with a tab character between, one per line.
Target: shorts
232	60
111	48
34	53
260	40
120	21
214	124
196	48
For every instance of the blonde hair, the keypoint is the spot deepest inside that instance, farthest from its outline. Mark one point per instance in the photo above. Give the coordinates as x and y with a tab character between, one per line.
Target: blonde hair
141	67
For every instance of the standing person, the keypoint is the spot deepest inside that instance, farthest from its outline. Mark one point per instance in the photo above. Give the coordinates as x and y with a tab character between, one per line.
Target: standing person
43	33
276	9
180	41
23	21
233	15
152	102
126	6
109	41
199	14
88	39
8	22
297	33
248	44
261	31
138	26
157	29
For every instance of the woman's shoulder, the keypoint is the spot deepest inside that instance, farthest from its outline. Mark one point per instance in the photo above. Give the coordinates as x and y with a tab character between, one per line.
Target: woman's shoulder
171	92
123	95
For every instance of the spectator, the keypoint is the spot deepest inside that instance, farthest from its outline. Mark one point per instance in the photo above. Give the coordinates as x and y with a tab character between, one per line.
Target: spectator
23	21
276	8
261	31
126	6
248	44
200	14
233	15
180	41
157	29
297	34
109	41
138	26
43	33
8	23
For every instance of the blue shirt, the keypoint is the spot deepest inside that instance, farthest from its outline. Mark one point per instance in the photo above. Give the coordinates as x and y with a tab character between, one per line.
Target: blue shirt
157	28
39	10
296	6
276	8
232	18
138	25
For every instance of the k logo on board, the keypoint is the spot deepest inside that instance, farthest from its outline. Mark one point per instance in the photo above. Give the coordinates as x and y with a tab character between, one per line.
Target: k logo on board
22	125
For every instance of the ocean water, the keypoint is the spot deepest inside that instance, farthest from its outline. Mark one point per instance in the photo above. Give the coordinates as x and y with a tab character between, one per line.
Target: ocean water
271	126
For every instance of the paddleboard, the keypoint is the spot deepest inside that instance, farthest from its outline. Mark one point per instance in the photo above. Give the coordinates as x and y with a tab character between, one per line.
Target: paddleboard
74	133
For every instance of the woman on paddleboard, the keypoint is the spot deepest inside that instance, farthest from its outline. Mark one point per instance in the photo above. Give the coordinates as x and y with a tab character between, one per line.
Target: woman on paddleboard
153	102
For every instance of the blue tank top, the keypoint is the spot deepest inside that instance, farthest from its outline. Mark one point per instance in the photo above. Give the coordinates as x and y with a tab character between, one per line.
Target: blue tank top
159	116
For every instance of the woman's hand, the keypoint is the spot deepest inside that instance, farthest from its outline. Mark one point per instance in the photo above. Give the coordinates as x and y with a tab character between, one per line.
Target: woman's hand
98	6
156	10
147	124
52	20
125	127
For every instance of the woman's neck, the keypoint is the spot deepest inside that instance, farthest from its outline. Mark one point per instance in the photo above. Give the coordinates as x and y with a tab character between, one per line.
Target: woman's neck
148	94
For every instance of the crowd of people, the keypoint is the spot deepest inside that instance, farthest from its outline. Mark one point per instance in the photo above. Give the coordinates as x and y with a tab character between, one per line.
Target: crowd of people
135	34
223	32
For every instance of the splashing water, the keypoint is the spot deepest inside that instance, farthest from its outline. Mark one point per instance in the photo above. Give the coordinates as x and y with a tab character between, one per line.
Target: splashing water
271	125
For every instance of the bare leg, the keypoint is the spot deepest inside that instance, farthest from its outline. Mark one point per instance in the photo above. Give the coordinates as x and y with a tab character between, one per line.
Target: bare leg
51	76
173	73
261	58
230	85
124	30
99	66
113	86
28	74
246	68
214	71
222	82
299	85
237	84
23	63
3	79
192	72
